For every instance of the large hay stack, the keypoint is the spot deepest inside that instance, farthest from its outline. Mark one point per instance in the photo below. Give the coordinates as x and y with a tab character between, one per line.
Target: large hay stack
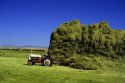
72	41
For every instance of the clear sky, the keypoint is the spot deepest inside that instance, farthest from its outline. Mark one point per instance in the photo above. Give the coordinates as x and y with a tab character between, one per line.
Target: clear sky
30	22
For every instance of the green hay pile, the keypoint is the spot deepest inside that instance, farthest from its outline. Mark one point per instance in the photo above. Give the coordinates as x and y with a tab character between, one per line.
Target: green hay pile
76	45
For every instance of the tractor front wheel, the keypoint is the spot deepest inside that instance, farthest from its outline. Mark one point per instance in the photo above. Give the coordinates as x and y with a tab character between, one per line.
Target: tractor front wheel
29	63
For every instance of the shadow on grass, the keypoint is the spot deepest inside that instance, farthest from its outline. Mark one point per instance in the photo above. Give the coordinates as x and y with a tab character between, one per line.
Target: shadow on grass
37	64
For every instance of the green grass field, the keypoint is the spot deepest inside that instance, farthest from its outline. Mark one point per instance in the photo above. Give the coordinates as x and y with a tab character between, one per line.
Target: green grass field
13	69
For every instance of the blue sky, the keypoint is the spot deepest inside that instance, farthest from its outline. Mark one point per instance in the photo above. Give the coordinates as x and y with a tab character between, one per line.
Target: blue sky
31	22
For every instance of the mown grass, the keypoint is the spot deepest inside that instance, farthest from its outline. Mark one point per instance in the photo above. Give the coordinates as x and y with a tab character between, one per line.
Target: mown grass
14	70
18	53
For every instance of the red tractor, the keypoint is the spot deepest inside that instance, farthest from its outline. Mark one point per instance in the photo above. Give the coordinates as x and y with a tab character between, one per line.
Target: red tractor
44	60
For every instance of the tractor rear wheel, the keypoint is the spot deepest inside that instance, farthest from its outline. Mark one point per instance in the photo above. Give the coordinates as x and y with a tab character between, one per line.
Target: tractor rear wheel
47	62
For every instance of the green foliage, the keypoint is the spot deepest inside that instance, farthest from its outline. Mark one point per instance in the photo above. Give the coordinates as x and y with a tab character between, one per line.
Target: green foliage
73	39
